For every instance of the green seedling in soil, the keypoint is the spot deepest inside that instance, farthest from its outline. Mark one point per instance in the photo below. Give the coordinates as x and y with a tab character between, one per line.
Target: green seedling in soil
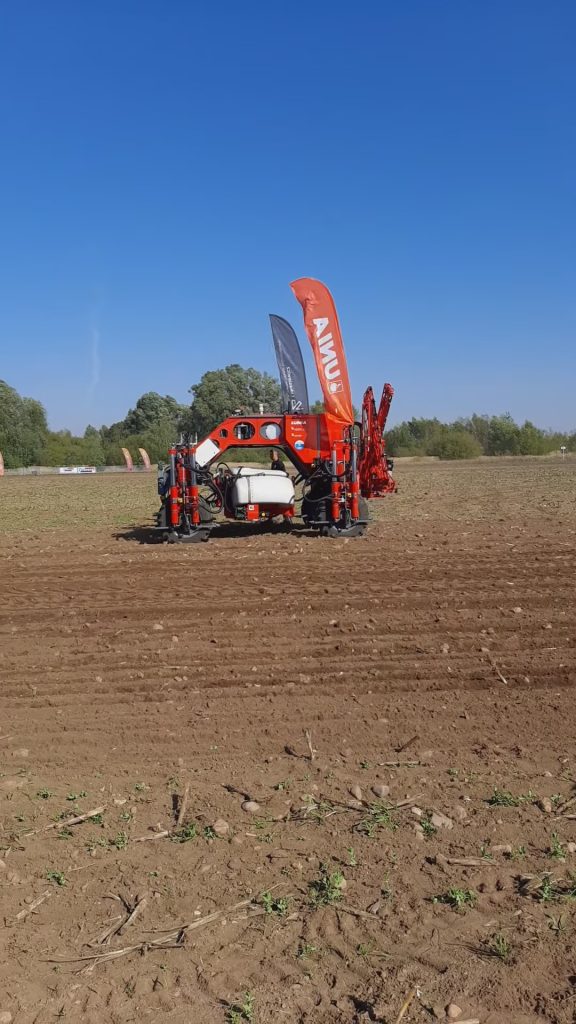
76	796
364	949
58	877
209	833
93	843
126	816
352	862
327	889
306	950
242	1011
44	794
503	798
485	851
277	905
282	786
378	817
185	834
386	889
458	899
120	841
140	787
365	765
427	827
453	773
367	952
65	833
556	849
517	853
499	946
317	810
97	819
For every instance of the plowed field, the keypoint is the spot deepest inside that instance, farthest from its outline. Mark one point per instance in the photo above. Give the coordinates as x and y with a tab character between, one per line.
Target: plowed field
398	709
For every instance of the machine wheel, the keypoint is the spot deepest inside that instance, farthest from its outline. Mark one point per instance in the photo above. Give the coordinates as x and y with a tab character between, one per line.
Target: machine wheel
196	537
354	529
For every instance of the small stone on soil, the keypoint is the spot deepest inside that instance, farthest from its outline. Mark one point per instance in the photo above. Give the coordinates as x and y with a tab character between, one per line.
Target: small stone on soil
545	804
250	806
380	791
453	1011
441	821
221	827
356	792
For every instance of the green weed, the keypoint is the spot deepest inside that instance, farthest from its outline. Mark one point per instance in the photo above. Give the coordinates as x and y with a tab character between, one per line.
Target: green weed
277	905
185	834
327	889
556	849
242	1011
378	817
306	950
458	899
427	827
119	842
58	877
499	946
503	798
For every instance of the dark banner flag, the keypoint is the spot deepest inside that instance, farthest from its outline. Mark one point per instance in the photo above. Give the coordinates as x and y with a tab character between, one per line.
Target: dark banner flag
291	367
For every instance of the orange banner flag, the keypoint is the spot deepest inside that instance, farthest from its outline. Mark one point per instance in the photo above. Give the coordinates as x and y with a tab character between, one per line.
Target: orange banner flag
145	457
323	330
127	459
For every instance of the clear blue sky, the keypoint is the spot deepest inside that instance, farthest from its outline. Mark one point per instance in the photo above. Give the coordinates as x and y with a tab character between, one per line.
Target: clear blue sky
169	166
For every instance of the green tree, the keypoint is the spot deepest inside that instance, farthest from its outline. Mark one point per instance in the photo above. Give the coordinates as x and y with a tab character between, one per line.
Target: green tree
23	428
453	442
221	392
151	410
503	436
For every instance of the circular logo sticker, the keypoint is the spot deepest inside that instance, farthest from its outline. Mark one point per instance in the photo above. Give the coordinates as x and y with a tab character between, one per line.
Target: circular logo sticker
298	445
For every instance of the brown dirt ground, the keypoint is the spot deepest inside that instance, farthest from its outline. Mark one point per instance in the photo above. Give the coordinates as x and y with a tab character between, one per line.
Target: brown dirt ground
131	671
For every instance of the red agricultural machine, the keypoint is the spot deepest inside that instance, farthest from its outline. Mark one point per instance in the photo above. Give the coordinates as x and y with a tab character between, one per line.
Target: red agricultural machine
340	463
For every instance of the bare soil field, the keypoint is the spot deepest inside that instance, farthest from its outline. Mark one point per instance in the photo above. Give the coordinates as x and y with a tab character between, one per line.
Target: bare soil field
289	779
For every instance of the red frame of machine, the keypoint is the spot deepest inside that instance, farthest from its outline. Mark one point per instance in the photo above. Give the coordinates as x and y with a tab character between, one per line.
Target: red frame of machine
358	466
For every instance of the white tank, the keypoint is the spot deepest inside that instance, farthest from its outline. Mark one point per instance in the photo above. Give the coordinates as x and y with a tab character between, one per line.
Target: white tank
262	487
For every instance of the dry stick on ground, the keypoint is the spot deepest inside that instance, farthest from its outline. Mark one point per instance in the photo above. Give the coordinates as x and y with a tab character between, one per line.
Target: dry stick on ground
119	923
488	654
564	807
167	940
406	1005
64	822
183	806
403	764
157	835
408	743
308	735
32	906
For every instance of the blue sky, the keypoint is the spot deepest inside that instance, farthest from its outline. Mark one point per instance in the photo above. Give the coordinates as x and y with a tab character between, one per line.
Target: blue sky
169	166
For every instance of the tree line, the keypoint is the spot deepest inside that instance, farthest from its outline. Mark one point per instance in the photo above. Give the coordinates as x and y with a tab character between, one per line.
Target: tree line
477	435
156	421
